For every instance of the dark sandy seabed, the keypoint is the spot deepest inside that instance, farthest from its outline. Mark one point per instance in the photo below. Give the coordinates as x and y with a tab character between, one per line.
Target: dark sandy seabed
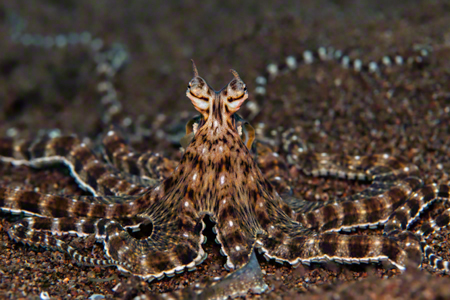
404	112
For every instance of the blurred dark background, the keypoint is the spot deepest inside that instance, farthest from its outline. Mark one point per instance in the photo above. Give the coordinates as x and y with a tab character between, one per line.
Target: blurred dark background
43	88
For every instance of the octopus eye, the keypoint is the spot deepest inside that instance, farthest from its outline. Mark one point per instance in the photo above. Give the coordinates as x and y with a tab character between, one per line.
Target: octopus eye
236	93
199	92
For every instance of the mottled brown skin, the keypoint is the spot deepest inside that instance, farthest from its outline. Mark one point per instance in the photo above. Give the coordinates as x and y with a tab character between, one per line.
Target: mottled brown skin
218	176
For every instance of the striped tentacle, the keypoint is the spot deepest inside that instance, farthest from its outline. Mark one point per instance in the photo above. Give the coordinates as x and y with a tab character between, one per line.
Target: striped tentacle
435	261
393	181
416	59
109	61
407	214
38	204
82	227
149	166
103	199
307	247
361	213
173	245
378	167
20	232
89	171
164	252
441	221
